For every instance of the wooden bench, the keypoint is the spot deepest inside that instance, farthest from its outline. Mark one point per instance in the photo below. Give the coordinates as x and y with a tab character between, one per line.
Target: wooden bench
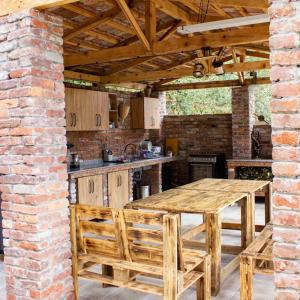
135	243
257	258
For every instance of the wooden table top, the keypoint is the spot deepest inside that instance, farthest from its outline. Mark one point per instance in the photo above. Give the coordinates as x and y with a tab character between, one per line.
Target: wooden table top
228	185
188	201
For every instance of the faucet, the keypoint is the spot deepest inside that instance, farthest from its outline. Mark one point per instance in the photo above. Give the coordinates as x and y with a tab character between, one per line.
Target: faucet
130	145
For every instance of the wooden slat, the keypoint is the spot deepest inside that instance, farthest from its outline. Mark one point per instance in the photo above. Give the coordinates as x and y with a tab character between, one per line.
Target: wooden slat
104	247
140	217
91	212
146	253
145	235
175	45
193	232
127	12
98	228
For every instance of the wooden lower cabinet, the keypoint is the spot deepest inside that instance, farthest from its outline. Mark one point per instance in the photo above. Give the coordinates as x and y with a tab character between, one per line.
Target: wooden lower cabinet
118	189
90	190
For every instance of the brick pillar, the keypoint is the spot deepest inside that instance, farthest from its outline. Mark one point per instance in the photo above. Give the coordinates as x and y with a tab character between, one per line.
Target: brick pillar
32	158
243	108
285	77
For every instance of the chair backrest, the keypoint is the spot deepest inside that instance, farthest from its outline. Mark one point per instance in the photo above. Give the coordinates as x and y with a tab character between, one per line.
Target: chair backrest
132	235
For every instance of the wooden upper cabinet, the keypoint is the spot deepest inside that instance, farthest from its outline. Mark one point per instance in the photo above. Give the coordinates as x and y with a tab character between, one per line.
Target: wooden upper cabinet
145	113
86	110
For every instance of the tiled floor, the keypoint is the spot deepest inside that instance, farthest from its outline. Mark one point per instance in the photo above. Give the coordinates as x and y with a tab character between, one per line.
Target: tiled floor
263	285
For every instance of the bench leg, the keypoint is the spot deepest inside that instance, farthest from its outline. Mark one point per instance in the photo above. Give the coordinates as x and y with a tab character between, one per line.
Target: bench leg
203	284
247	220
246	278
213	247
268	203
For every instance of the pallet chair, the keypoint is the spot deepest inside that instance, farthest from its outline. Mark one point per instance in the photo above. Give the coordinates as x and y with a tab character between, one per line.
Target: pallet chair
140	247
257	258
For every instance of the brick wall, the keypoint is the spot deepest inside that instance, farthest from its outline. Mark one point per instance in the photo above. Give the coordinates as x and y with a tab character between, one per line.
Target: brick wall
243	109
33	172
198	134
285	76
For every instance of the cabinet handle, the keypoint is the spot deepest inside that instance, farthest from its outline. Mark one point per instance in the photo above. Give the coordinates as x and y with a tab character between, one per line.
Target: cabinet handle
100	120
75	120
93	186
97	121
71	115
120	180
90	187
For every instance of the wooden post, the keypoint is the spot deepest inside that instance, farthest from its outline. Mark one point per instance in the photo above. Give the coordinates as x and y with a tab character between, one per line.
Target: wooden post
246	277
213	244
247	220
74	250
170	265
268	203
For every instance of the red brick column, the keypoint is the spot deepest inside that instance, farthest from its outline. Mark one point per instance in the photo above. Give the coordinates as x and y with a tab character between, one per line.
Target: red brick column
243	109
33	179
285	76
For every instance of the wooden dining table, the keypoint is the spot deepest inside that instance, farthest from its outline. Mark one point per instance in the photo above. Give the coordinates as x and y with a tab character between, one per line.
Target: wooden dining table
209	204
250	187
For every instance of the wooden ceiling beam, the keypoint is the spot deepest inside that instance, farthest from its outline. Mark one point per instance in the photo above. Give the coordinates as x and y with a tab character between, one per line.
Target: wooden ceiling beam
150	22
257	54
101	19
9	6
166	74
130	17
171	30
119	26
210	84
80	11
175	45
240	74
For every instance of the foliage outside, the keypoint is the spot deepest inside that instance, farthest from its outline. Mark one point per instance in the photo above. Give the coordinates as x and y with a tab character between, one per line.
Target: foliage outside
215	100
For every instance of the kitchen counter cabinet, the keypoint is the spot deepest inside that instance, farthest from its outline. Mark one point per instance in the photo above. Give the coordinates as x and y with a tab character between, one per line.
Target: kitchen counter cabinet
90	190
118	189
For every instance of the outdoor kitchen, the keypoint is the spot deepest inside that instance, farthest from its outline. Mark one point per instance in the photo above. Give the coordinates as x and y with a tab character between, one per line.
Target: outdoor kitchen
149	149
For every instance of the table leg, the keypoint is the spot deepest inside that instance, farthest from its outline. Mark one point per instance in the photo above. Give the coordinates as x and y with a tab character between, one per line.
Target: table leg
268	203
247	220
213	247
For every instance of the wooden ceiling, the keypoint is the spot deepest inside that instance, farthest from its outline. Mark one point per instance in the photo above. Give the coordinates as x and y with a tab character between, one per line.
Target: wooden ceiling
116	41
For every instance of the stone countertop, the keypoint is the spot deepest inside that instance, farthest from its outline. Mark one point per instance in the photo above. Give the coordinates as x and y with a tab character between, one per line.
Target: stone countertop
263	160
112	167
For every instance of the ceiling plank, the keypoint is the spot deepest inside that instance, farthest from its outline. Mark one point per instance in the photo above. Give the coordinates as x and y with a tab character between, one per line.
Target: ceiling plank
261	4
130	17
210	84
101	19
9	6
80	11
119	26
165	74
175	45
150	21
174	11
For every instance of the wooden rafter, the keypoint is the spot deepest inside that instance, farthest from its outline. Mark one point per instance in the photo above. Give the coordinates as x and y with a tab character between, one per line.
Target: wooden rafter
257	54
127	12
175	45
261	4
166	74
119	26
102	19
150	21
9	6
171	30
80	11
210	84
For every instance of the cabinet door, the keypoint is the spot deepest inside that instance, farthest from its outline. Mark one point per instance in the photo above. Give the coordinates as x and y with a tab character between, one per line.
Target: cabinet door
90	190
118	189
73	114
99	111
151	113
137	113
